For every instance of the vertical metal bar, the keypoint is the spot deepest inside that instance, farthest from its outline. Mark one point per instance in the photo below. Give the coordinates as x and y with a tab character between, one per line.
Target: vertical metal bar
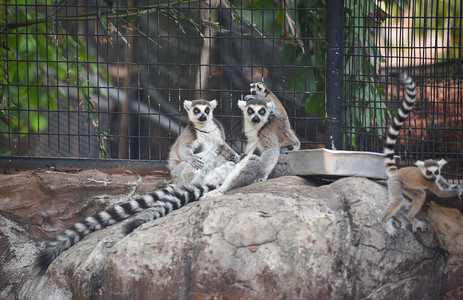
334	74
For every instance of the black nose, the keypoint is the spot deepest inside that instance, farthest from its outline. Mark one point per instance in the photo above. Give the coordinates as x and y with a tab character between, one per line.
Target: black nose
256	119
202	118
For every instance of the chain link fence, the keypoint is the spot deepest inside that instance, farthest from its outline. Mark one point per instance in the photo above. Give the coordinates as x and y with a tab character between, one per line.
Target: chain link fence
105	81
423	39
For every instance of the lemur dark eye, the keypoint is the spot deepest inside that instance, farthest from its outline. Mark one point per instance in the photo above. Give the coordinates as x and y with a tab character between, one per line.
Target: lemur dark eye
207	110
196	110
262	111
250	111
436	173
428	173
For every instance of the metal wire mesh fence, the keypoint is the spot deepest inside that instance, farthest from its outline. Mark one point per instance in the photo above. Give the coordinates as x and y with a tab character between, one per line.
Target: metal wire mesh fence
423	39
106	80
92	80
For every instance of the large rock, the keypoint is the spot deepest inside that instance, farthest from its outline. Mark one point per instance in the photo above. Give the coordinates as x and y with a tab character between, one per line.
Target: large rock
38	205
280	239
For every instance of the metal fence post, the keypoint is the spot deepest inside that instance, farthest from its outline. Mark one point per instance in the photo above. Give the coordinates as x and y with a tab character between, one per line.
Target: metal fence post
334	74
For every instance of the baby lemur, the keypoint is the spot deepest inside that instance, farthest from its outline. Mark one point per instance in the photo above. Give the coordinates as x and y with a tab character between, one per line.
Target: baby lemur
411	181
288	138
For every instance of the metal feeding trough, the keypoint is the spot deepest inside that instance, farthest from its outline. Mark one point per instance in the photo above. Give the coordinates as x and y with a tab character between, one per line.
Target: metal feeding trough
325	162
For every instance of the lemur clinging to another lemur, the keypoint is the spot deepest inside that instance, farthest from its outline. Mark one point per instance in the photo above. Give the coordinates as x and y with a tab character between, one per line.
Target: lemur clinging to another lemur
200	162
288	138
410	180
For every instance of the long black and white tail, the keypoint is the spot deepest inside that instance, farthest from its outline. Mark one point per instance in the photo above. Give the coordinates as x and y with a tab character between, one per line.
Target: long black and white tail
162	207
398	120
161	201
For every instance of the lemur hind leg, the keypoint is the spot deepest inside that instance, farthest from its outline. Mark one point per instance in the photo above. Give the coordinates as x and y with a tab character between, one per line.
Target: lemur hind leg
282	167
244	173
183	173
417	204
396	200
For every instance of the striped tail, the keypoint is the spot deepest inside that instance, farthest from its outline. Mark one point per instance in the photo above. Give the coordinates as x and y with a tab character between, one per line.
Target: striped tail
398	120
100	220
182	196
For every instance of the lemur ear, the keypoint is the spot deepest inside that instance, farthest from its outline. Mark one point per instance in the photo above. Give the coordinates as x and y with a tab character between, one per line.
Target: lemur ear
187	105
419	163
242	104
441	163
213	104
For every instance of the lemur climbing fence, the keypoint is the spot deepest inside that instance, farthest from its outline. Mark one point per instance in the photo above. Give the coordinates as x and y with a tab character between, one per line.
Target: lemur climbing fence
96	82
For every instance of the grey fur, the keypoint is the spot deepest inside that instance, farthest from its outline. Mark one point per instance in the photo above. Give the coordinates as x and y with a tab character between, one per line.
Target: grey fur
183	196
201	143
262	131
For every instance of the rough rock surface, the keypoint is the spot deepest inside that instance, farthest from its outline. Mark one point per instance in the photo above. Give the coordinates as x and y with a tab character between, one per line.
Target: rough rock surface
281	239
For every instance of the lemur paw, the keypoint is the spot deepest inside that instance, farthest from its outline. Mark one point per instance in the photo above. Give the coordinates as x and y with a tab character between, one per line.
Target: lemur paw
460	193
258	89
236	159
214	193
262	178
249	97
197	163
294	147
419	224
389	227
284	149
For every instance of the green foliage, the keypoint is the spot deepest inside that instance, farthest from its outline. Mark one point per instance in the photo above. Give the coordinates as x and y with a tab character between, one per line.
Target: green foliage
300	24
430	22
39	58
441	15
36	56
364	93
305	45
309	77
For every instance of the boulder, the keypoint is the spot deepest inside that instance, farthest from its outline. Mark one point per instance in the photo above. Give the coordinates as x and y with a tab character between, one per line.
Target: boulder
284	238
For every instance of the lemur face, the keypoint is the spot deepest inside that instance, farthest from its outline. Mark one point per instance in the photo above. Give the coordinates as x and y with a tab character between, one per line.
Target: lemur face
256	110
430	168
259	88
199	110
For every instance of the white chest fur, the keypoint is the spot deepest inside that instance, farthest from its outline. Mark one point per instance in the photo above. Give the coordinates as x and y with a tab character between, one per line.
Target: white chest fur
251	132
209	136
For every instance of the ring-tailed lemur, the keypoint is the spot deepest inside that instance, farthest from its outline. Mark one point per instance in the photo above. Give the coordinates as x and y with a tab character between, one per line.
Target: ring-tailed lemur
288	138
202	143
263	158
263	133
410	180
203	146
